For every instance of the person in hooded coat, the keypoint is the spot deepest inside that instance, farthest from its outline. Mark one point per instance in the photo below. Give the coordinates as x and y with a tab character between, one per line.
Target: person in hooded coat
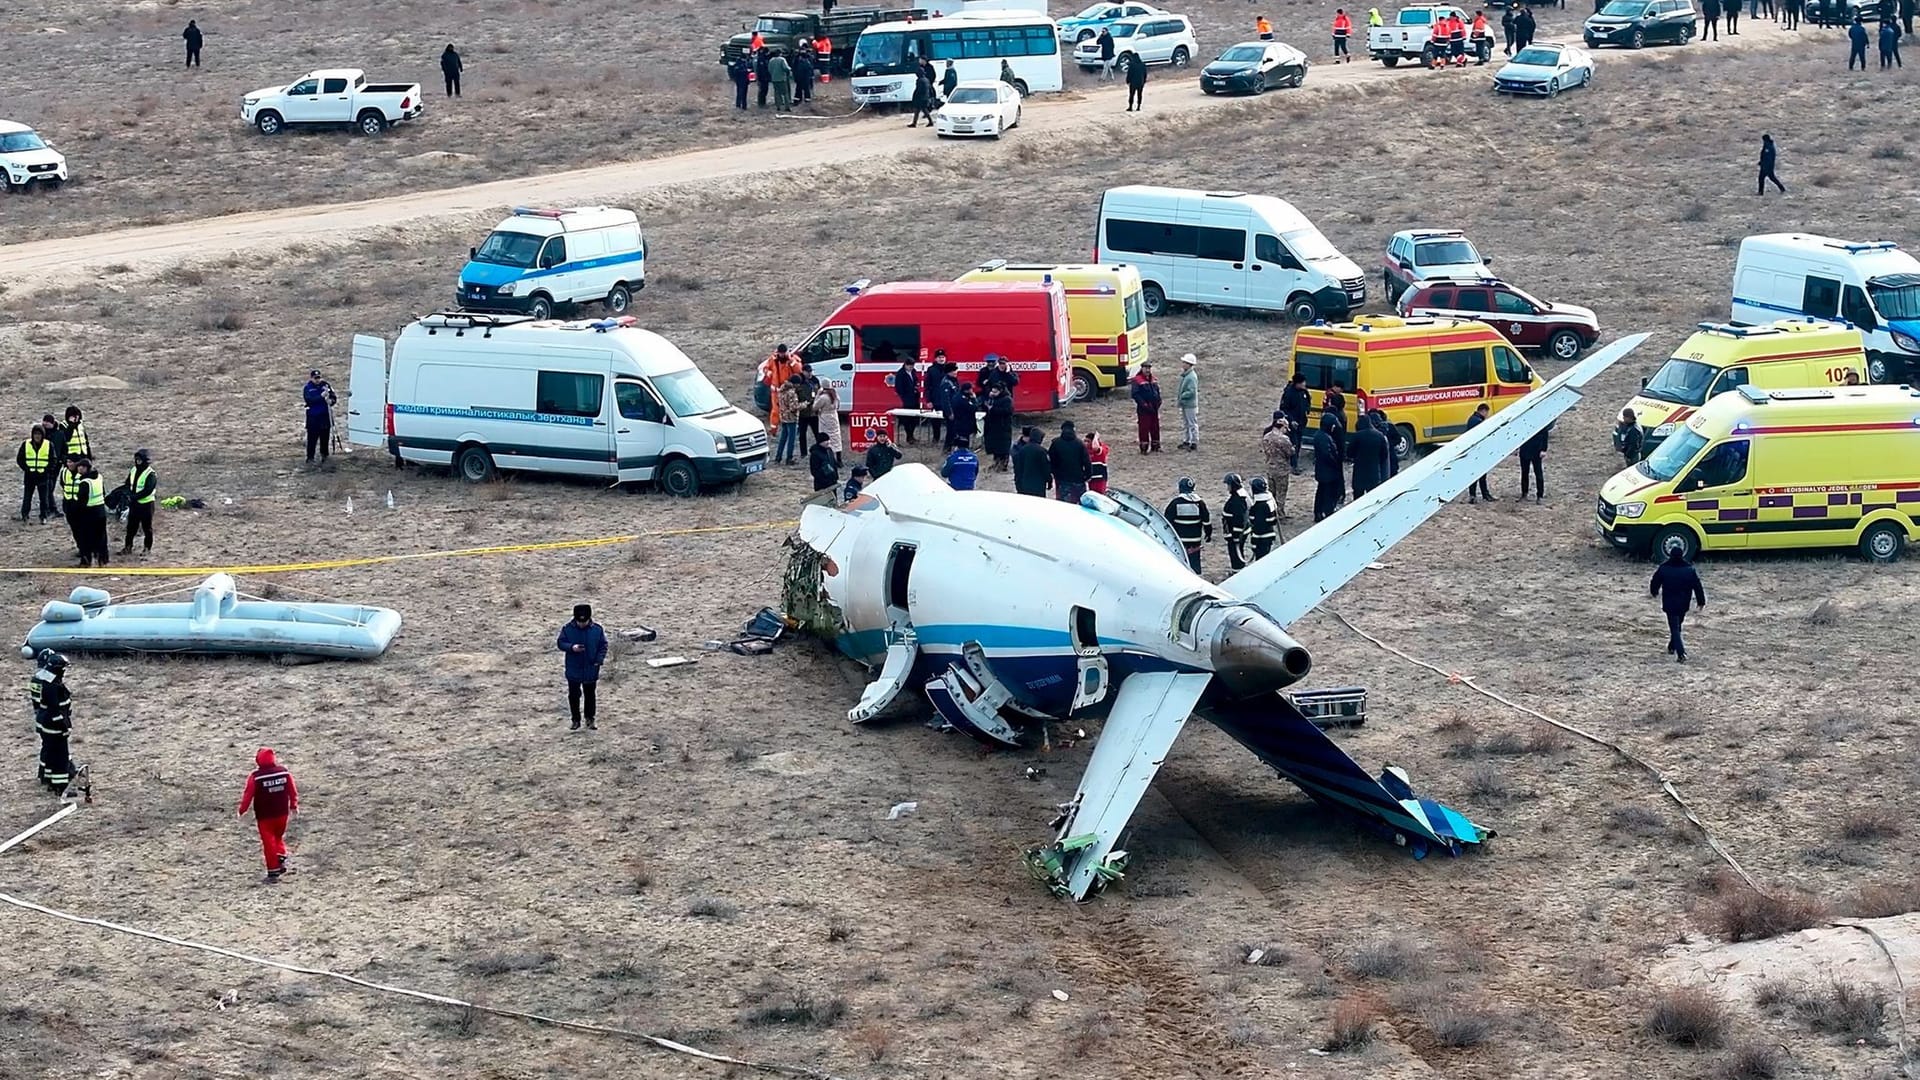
273	798
998	436
1677	584
1369	450
1071	466
450	69
963	412
1329	473
1032	468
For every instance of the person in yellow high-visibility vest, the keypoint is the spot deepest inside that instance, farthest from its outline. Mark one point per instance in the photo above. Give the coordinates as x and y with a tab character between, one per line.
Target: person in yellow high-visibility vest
36	470
141	492
92	492
75	510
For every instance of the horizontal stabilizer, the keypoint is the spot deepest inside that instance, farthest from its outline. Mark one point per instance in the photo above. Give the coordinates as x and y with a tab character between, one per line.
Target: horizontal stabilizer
1279	735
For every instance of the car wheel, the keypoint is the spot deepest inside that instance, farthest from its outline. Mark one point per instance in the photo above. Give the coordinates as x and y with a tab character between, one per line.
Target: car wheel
540	308
371	123
679	480
1586	80
269	123
1390	61
474	464
1877	368
1301	309
1553	87
1564	345
1016	117
1686	35
619	300
1675	536
1085	35
1299	80
1639	40
1883	542
6	183
1154	299
1084	387
1403	442
1181	57
1260	85
1387	289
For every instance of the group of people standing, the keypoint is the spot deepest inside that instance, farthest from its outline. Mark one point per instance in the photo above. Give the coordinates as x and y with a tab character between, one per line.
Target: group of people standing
790	78
801	406
1147	397
58	457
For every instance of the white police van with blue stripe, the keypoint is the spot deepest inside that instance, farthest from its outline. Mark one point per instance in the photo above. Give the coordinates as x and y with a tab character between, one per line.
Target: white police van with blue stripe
537	260
1872	286
605	399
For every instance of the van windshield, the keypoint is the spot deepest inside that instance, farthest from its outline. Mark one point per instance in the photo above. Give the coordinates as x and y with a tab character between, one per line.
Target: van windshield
688	393
1136	309
1897	297
1625	9
509	249
1671	456
1310	245
1682	382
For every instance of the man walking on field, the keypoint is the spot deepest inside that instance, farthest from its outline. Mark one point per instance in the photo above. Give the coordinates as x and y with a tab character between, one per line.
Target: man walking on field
273	798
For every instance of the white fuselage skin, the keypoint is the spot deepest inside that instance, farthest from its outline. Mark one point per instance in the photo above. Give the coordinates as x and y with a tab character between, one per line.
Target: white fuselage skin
1008	571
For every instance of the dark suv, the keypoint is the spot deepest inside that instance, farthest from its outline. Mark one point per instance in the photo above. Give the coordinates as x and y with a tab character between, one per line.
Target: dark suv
1634	23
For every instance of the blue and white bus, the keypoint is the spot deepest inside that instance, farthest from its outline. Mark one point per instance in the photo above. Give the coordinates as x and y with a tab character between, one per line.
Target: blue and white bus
885	56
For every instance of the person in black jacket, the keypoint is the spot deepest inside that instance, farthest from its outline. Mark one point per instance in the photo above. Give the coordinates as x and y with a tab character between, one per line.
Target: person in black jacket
1370	452
882	456
1523	28
1769	156
1071	466
1677	583
939	395
1032	466
948	80
1191	521
737	70
1136	82
762	76
963	412
1296	402
906	387
1507	29
192	37
997	434
450	69
1627	437
922	95
1478	489
1329	474
803	72
1531	453
823	464
1233	516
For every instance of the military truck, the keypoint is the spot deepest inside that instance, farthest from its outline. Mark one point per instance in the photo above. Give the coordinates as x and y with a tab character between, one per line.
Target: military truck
785	30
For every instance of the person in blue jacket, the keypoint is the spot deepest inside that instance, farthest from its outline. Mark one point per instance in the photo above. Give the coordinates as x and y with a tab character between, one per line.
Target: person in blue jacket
1857	43
962	467
320	401
1677	584
585	644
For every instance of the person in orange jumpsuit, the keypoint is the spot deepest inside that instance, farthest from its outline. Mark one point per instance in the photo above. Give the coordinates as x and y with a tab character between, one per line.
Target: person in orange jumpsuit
1342	30
273	798
775	370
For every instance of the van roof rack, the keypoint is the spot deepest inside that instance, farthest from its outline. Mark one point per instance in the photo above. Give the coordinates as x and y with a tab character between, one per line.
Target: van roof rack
462	321
992	264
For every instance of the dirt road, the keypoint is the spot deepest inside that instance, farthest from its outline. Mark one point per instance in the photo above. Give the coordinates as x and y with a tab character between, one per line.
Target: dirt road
34	267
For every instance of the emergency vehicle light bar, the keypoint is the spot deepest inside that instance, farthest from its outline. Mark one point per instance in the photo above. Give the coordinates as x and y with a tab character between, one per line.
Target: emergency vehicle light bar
858	287
603	325
1871	245
522	211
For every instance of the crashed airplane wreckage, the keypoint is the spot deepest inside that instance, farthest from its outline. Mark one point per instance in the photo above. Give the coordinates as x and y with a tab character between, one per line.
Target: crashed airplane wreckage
217	621
1045	609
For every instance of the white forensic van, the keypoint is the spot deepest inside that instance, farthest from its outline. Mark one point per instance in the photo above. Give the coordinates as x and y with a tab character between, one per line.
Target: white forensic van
603	399
1874	286
539	259
1226	249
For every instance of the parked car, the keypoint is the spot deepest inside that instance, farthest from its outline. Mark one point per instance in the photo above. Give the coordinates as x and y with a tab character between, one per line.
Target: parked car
1544	70
1254	67
1562	331
1840	12
25	158
1415	255
337	97
978	108
1635	23
537	261
1408	36
1157	39
1095	17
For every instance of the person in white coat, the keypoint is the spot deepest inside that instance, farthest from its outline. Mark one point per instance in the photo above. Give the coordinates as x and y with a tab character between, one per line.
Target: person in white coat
826	411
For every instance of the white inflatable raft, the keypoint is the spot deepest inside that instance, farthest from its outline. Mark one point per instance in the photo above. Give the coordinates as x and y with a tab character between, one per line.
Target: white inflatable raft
217	621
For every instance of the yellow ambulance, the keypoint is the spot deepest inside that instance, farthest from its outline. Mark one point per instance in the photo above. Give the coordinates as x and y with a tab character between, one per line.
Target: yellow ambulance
1106	318
1427	374
1784	355
1835	467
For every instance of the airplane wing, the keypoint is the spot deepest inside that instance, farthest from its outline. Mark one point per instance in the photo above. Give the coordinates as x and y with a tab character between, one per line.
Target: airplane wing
1148	714
1296	577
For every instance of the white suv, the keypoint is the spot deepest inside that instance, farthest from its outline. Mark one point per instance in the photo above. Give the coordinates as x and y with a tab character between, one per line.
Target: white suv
25	158
1417	255
1157	39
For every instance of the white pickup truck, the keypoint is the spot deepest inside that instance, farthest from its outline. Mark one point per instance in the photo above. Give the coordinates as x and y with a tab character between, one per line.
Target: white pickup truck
1407	37
338	96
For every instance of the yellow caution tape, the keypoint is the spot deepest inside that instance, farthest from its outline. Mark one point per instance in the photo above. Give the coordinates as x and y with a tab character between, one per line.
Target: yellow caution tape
375	560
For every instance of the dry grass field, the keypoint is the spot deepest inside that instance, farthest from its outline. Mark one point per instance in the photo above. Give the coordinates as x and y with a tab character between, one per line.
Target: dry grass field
716	863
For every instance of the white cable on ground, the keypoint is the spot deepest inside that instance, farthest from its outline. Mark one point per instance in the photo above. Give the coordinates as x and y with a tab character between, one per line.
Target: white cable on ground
1666	785
421	995
1899	981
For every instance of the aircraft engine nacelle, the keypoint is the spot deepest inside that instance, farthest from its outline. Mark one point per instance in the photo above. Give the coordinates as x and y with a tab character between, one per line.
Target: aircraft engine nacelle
1253	656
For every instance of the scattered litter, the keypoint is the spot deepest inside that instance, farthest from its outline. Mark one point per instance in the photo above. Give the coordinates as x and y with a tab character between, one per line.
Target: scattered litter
1035	772
1317	1052
389	498
1079	733
639	633
1059	995
768	624
670	661
901	810
226	500
231	997
714	645
349	504
751	647
1254	956
1376	566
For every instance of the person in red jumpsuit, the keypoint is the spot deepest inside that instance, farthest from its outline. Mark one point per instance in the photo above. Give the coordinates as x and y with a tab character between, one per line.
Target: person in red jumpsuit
273	798
1097	454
